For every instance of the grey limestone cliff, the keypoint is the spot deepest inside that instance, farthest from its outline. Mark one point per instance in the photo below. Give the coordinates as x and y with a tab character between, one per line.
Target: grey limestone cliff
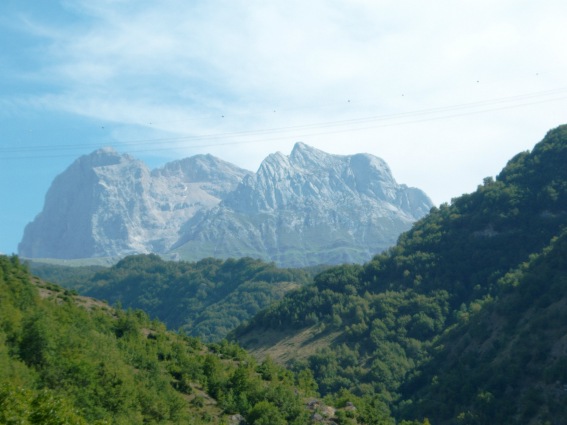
108	204
307	208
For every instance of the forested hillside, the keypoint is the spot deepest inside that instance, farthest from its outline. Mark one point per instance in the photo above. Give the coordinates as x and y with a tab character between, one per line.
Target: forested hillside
76	278
370	329
207	299
507	364
65	359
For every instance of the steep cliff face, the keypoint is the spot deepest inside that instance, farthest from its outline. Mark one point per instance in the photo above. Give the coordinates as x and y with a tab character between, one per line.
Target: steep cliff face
108	204
307	208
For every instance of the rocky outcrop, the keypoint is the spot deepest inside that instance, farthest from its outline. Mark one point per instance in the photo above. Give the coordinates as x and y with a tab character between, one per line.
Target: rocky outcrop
307	208
108	204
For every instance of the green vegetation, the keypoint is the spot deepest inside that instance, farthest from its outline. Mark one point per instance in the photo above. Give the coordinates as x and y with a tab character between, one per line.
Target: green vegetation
512	354
389	320
206	299
380	336
76	278
462	322
66	362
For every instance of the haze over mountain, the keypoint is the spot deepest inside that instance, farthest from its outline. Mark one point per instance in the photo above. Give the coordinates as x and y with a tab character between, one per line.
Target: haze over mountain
110	204
307	208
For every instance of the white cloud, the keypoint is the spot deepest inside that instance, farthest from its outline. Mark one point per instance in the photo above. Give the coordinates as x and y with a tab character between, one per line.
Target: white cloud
223	67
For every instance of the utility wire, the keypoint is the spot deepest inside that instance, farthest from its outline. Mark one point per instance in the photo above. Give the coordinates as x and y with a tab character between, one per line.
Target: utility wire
300	131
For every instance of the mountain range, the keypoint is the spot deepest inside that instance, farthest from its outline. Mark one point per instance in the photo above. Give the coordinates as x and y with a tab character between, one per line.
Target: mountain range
304	209
463	321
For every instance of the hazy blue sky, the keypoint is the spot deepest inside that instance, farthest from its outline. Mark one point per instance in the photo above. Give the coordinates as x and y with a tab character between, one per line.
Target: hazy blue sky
445	91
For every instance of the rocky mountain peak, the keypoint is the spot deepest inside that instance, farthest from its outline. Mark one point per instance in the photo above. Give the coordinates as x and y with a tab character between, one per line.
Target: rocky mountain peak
306	156
110	204
104	157
274	161
200	168
310	207
77	203
371	162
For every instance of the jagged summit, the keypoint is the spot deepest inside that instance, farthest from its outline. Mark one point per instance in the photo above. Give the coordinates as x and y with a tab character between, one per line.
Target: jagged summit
305	154
104	150
307	208
273	164
198	168
104	157
110	204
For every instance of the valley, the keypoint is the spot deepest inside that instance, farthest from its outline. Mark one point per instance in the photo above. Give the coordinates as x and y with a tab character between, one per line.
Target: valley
461	321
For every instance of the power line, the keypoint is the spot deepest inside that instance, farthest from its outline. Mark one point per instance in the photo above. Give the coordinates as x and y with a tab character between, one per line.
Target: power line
303	130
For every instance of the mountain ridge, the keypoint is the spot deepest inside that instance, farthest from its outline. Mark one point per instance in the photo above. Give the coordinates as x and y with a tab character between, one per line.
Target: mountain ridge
108	204
304	209
308	208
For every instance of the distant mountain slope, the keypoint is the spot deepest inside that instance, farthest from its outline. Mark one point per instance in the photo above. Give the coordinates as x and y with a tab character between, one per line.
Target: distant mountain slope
107	204
308	208
370	328
206	299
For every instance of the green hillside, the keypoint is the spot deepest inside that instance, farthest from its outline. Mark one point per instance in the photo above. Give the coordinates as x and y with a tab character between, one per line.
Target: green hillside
66	359
371	329
507	364
69	359
206	299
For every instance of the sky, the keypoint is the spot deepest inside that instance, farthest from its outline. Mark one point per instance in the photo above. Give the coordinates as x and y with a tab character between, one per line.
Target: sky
446	91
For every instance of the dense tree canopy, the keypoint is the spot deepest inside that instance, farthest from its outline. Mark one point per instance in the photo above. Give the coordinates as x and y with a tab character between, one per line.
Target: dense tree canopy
68	359
389	320
207	299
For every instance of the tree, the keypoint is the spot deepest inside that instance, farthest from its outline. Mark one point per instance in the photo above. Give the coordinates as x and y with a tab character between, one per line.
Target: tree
265	413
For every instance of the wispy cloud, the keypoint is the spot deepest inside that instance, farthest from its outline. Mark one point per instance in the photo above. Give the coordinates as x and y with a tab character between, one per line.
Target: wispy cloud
231	68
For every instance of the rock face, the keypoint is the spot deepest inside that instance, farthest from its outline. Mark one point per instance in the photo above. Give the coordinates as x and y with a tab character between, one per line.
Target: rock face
107	204
304	209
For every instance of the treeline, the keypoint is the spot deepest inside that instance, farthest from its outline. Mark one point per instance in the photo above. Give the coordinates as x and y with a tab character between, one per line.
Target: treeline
76	278
392	317
206	299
